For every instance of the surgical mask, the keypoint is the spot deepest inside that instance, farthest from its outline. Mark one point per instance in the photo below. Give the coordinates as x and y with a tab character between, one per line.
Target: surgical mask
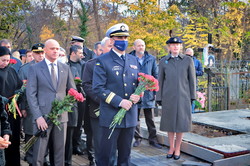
121	44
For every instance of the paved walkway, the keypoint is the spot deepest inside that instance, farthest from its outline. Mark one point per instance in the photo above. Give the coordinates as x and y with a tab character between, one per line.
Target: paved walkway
144	155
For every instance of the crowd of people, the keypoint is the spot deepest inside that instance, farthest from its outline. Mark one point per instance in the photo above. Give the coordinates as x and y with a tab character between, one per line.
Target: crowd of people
109	78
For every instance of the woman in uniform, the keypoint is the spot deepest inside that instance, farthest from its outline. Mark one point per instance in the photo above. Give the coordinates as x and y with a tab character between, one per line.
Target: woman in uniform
177	90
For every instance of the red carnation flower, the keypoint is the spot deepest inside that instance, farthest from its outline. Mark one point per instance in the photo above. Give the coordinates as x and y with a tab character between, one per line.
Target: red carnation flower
78	78
12	62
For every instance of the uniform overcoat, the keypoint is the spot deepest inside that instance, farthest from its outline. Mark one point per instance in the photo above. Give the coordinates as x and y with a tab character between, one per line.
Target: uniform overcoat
177	89
27	121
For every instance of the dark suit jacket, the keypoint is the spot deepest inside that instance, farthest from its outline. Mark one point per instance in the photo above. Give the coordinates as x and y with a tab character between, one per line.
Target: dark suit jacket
114	80
73	116
93	100
41	92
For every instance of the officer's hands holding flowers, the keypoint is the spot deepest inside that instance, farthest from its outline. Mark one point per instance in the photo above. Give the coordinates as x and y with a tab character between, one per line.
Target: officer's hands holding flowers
146	82
134	98
126	104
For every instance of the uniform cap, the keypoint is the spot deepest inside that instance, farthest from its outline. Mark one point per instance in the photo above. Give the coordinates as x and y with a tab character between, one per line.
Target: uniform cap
174	40
38	47
120	29
77	39
4	51
22	52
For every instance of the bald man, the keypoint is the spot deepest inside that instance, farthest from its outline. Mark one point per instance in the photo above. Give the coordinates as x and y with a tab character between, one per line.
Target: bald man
48	80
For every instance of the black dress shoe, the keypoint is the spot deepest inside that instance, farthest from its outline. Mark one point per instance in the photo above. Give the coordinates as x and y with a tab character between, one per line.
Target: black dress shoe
47	163
78	151
169	156
92	163
156	145
137	143
177	157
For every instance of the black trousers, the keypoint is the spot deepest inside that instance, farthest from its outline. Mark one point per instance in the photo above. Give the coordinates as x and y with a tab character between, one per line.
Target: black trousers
149	118
77	141
120	140
69	146
89	135
12	153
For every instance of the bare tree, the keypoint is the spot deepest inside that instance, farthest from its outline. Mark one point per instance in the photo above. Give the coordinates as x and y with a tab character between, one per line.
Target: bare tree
97	22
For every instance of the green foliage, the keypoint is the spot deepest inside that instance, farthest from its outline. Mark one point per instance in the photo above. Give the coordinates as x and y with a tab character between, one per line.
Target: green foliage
59	107
10	14
83	16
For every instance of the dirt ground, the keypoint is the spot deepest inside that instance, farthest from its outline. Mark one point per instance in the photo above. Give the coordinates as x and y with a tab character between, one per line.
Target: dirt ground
211	132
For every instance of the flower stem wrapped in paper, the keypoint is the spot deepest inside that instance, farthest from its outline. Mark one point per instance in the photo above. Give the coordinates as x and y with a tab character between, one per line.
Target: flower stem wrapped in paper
13	106
58	108
146	82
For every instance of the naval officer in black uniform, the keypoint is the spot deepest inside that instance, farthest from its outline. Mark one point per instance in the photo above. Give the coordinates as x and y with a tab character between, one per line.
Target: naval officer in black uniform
114	81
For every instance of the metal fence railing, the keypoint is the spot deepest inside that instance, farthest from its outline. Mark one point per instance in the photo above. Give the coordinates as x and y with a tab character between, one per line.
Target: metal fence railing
230	89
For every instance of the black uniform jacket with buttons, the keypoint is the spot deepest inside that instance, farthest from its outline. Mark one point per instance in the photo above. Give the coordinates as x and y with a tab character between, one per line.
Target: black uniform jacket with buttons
114	80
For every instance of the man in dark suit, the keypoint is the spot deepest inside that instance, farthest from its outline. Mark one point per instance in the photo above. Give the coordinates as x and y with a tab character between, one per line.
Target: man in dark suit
92	99
75	60
48	80
38	55
114	81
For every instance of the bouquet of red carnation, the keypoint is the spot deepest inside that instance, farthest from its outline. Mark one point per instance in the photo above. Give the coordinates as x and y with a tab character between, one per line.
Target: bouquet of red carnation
13	106
65	105
146	82
58	108
12	62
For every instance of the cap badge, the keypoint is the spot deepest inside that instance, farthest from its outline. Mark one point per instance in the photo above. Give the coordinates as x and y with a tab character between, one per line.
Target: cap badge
39	48
175	39
123	28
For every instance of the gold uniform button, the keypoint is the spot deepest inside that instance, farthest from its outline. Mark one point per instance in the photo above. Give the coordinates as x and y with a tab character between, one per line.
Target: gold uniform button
126	94
125	84
133	74
124	75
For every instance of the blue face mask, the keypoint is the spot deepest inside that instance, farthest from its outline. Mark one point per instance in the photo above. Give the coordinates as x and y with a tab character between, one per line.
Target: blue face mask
121	44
